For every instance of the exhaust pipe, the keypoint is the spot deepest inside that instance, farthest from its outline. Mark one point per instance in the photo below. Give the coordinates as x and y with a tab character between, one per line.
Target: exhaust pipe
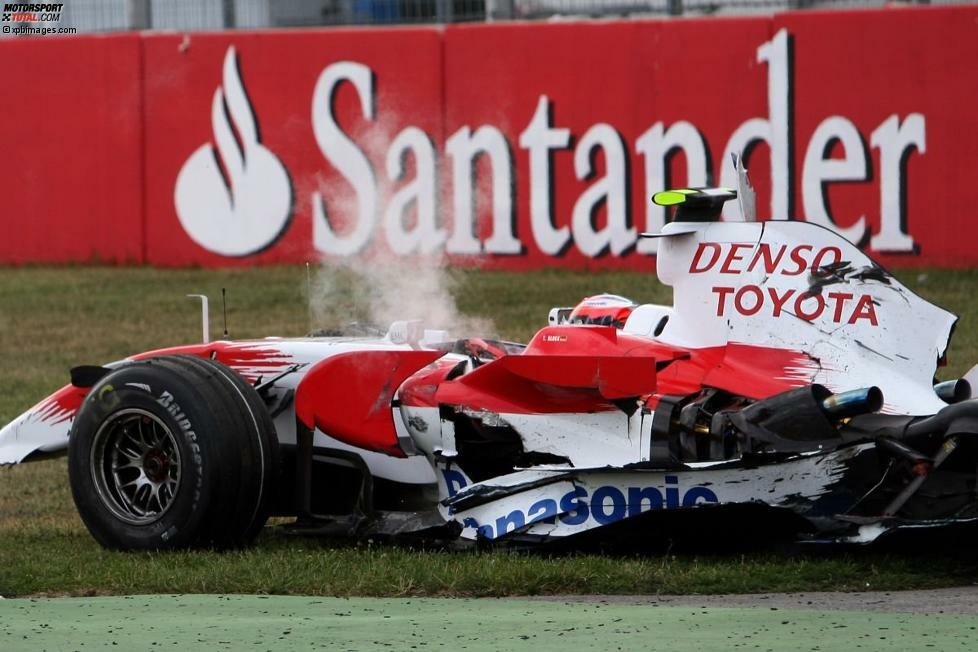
853	402
804	414
953	391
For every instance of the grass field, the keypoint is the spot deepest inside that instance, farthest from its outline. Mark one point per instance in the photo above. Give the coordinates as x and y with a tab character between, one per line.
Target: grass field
54	318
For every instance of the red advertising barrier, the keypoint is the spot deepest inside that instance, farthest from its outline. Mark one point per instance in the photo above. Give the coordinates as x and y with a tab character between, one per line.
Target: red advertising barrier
250	136
599	117
71	180
513	146
892	93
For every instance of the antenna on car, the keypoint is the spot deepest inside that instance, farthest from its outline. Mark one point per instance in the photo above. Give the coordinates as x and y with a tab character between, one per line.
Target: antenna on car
224	310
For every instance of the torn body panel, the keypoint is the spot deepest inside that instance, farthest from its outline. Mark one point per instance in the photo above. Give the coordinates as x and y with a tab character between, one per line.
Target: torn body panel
795	286
580	500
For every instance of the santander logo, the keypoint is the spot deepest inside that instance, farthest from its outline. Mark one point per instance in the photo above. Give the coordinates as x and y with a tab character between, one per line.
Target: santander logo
233	198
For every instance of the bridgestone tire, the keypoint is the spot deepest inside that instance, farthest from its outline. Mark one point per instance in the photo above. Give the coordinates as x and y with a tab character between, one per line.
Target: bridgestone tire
171	453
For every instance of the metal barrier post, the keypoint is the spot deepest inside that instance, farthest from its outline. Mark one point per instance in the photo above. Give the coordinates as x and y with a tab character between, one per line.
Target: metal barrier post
140	15
227	13
346	12
443	11
499	10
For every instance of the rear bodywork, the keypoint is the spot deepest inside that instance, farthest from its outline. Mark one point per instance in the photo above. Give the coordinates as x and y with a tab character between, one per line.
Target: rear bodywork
791	380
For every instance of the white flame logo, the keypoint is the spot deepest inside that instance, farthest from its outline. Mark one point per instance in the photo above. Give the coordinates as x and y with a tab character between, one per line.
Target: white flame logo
235	200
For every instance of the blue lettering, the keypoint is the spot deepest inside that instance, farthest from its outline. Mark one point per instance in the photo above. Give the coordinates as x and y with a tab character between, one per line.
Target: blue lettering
672	492
548	511
454	481
515	518
572	503
636	496
608	504
694	495
598	505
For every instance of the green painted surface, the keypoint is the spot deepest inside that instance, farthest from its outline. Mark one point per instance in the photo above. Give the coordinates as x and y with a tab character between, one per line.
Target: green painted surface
296	623
669	197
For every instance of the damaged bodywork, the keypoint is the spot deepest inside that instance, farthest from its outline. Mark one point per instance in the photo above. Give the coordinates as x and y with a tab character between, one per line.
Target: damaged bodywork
792	377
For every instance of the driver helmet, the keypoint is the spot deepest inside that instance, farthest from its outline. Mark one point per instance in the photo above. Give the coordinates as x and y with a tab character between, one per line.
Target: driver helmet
603	310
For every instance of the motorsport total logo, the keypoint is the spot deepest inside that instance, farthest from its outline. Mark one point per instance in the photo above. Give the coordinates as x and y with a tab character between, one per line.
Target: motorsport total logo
16	12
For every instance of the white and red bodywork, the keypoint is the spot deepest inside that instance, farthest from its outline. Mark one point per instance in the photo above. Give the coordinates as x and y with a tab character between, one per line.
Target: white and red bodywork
759	309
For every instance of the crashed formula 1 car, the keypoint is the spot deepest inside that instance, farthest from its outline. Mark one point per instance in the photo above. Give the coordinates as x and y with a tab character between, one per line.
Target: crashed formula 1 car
792	379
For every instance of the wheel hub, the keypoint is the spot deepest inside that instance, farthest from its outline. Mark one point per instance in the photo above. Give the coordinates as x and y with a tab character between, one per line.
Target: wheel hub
156	465
136	465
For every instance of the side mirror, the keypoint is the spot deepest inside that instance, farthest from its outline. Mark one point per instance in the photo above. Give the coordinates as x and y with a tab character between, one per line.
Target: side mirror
559	316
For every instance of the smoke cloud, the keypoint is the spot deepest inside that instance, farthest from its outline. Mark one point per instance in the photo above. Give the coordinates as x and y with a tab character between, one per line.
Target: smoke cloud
376	287
359	291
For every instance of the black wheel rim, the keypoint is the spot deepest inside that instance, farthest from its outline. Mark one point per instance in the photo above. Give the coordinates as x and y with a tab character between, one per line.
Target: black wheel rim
135	465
